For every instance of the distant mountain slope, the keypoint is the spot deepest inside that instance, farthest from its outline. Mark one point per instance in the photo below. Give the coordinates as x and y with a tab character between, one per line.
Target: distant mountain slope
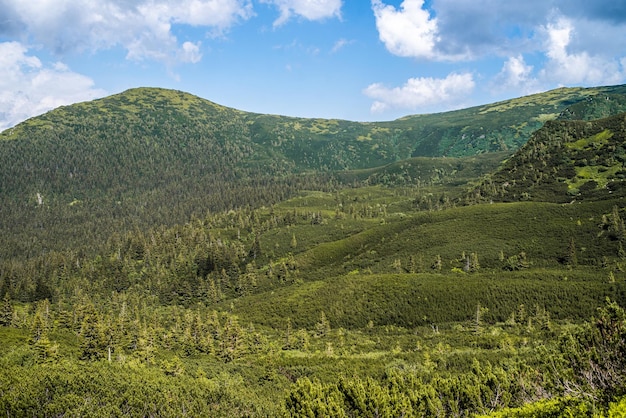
507	125
503	126
143	158
564	161
148	157
322	144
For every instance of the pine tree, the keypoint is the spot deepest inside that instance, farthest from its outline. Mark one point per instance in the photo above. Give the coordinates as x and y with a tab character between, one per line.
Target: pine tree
6	314
45	349
255	251
323	326
397	265
413	268
289	337
38	328
571	259
232	338
474	264
93	341
437	264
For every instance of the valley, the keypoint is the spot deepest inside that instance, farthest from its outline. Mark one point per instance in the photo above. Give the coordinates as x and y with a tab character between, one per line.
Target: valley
162	255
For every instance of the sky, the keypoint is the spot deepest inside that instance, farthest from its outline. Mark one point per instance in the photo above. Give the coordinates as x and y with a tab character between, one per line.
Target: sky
359	60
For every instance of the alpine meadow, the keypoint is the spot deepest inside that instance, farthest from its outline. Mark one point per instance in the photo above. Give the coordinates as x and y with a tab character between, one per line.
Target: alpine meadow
162	255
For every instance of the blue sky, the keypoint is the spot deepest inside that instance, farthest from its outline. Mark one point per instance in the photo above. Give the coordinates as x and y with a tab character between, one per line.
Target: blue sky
351	59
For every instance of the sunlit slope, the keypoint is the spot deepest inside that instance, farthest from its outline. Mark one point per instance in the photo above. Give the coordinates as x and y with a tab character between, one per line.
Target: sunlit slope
565	161
150	157
437	266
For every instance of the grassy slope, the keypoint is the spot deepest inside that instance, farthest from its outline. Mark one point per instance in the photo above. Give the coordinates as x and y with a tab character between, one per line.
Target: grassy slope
565	161
369	275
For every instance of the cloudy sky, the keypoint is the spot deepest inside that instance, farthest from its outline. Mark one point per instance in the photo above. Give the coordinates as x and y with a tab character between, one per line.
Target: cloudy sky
351	59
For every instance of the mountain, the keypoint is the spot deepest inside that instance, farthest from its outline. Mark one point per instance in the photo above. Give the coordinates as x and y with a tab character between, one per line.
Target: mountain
163	255
149	157
564	161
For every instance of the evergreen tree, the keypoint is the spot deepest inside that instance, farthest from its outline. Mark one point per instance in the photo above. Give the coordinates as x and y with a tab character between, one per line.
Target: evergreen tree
474	264
314	399
571	259
232	338
437	264
93	344
38	327
413	268
45	349
322	328
255	251
6	314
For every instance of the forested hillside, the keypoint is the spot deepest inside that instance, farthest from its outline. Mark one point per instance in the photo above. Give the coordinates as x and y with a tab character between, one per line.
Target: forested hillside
162	255
149	157
565	161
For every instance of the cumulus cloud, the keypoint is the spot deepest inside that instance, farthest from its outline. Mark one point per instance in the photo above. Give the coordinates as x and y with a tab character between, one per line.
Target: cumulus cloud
576	67
190	52
453	30
308	9
29	88
407	32
142	27
442	93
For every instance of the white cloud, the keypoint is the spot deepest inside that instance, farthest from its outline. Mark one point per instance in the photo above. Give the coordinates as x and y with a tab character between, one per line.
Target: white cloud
411	31
220	14
190	52
440	93
516	75
28	88
308	9
569	67
142	27
408	32
516	71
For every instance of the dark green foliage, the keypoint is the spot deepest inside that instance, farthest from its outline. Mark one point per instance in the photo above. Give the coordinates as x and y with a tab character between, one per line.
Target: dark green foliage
6	312
564	161
112	390
597	355
165	256
413	300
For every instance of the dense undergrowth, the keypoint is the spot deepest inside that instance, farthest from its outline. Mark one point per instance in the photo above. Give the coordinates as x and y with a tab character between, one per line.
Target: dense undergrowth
260	312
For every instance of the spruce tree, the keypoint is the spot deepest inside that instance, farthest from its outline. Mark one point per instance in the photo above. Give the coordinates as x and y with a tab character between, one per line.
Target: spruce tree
571	258
93	341
6	314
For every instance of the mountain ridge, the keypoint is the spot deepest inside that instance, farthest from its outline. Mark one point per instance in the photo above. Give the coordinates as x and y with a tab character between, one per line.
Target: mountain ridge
124	156
498	126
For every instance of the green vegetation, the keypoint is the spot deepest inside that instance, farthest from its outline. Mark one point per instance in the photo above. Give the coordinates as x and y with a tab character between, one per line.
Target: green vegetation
162	255
564	161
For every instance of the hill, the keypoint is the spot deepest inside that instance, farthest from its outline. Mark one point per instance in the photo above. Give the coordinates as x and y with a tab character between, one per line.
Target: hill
564	161
163	255
150	157
503	126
